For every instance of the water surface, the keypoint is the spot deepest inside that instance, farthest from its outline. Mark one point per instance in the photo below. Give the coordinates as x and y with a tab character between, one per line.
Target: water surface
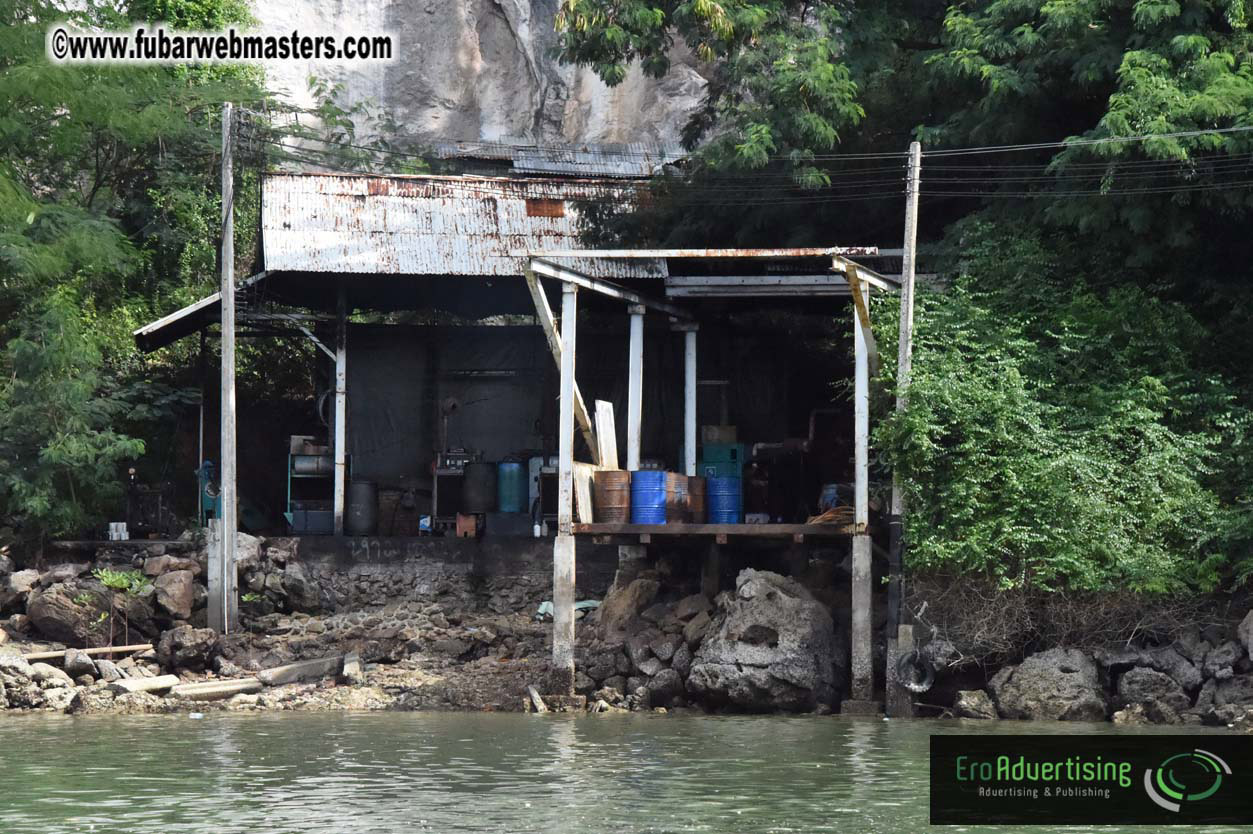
413	772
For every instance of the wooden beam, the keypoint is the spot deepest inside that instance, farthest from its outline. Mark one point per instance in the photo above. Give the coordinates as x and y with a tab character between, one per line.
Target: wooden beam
627	254
606	288
341	407
635	386
606	435
862	307
548	324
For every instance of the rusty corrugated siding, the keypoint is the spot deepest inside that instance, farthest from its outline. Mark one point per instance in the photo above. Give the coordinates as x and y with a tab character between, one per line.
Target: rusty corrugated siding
428	225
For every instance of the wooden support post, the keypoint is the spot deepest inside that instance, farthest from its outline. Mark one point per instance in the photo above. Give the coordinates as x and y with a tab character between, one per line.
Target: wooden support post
563	547
898	701
341	407
897	698
635	386
221	591
862	641
544	314
689	398
711	571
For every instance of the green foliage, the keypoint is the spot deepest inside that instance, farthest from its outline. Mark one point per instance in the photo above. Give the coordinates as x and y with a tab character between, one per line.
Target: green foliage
128	581
1060	436
58	443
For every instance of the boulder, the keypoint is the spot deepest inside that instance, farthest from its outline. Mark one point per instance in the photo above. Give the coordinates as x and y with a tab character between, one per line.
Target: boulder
161	565
664	686
1170	662
15	588
974	703
49	677
107	671
77	663
694	631
1237	689
1132	716
622	605
583	685
17	680
1192	646
1059	685
175	593
302	592
689	607
65	572
771	647
71	613
187	648
1245	632
6	566
651	667
665	646
1221	659
1148	687
682	660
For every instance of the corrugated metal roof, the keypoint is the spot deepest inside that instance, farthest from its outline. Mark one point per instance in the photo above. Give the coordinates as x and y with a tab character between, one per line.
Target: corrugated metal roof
634	160
430	225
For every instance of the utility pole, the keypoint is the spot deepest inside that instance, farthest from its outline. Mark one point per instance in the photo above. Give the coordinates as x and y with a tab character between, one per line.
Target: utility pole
900	637
222	562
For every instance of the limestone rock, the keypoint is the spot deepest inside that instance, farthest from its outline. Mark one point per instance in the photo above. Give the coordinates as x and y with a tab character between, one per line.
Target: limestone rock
1147	686
71	613
682	660
108	671
64	572
17	681
15	588
694	631
1131	716
175	593
1169	661
974	703
1245	631
651	667
1237	689
664	686
622	605
187	648
78	663
49	676
689	607
665	646
6	566
770	648
1059	684
161	565
1221	659
583	684
302	592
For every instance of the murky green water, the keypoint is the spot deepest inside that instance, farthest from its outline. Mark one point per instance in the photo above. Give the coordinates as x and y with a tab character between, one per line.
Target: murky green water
412	772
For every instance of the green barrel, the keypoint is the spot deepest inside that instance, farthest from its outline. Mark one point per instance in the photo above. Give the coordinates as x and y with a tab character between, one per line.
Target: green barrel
511	491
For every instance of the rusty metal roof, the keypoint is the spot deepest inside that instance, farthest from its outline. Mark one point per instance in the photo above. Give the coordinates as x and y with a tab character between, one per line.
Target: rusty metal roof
431	225
634	160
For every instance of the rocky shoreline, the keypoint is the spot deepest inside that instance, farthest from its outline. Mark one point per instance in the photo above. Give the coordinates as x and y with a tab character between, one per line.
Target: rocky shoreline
432	636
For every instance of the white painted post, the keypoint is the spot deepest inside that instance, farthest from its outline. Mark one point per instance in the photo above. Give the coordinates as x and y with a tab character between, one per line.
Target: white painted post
862	688
563	547
341	408
635	387
219	615
689	399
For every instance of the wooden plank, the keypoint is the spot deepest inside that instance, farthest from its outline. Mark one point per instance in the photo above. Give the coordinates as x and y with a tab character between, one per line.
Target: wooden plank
583	475
537	702
606	288
137	647
862	308
606	435
548	324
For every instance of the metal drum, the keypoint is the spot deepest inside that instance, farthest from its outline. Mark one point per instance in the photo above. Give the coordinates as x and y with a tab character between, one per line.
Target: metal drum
696	500
726	504
676	497
362	518
612	496
511	489
478	488
648	497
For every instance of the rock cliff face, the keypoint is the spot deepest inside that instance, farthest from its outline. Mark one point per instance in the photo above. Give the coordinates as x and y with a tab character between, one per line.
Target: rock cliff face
482	69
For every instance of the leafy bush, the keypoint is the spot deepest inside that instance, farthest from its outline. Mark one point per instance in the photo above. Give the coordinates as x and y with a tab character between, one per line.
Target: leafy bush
1062	436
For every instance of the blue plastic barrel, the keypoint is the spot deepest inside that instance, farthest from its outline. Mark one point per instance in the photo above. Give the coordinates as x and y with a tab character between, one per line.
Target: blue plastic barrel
648	497
724	501
511	487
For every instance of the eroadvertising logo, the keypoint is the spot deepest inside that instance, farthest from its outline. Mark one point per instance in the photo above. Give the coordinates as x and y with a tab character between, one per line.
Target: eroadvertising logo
1094	779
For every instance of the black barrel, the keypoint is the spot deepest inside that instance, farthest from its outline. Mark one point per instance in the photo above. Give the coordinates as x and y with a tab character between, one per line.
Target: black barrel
478	488
363	509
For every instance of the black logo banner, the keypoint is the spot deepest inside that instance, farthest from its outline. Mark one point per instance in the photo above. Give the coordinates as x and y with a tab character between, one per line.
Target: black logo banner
1094	779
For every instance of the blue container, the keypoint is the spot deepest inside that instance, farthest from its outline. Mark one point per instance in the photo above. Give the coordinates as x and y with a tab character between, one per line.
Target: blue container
648	497
724	500
511	488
